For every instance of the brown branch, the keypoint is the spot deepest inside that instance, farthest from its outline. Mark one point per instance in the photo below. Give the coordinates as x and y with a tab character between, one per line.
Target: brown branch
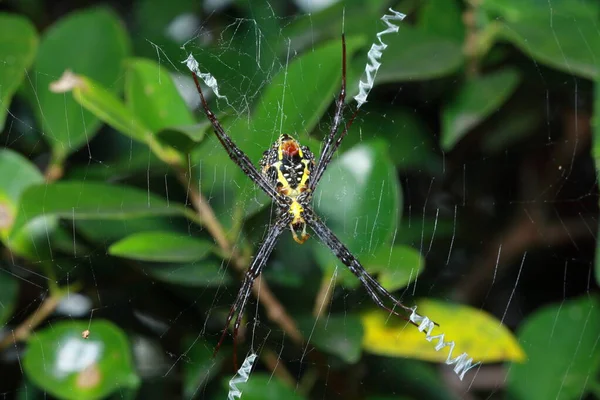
275	310
324	295
271	360
23	331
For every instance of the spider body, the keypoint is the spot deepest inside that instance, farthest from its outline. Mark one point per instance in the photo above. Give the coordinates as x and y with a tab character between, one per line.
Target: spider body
289	175
287	167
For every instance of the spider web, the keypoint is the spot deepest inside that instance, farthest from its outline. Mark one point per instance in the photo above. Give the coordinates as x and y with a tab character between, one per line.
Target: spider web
507	230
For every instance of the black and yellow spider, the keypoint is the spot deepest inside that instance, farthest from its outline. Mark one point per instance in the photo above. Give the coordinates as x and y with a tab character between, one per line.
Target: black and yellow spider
289	176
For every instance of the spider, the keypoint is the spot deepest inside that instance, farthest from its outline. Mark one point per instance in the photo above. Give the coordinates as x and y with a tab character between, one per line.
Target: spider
289	175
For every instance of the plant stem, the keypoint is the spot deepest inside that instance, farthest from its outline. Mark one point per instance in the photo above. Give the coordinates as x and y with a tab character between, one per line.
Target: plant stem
271	360
324	295
22	332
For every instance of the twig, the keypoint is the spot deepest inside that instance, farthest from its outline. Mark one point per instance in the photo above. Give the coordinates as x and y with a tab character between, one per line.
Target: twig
271	360
324	295
23	331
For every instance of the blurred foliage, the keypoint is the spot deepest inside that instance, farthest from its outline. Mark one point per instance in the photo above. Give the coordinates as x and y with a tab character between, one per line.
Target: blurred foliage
466	182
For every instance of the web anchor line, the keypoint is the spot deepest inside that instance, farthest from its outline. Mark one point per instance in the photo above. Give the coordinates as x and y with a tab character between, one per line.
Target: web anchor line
374	56
242	376
462	363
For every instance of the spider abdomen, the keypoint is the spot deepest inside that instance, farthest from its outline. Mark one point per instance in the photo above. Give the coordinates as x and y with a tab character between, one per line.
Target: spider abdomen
287	166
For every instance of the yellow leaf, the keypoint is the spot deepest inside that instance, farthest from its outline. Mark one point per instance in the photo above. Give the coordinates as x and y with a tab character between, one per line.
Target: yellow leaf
474	332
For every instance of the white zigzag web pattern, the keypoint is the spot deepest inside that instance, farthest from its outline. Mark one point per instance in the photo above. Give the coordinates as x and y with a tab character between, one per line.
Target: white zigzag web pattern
207	78
241	376
374	55
463	363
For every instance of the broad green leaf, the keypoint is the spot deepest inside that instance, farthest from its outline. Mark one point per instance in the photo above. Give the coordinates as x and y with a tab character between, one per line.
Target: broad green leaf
442	18
153	97
111	110
359	198
414	55
105	105
561	342
473	331
161	246
73	43
205	273
261	386
396	266
476	100
340	335
30	241
18	44
90	200
61	362
9	287
109	231
561	42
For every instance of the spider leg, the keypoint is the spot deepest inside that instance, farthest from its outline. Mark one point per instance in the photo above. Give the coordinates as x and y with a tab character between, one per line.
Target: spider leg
259	261
234	152
331	143
374	288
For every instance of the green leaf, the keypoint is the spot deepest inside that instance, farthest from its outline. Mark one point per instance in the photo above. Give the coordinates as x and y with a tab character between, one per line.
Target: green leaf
559	42
205	273
30	241
261	386
359	199
73	43
397	266
340	335
153	97
473	331
90	200
61	362
442	18
414	55
18	44
109	231
110	109
161	246
9	287
106	106
561	342
476	100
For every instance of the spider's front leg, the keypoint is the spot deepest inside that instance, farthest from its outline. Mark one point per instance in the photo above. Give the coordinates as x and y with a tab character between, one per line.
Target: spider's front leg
234	152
